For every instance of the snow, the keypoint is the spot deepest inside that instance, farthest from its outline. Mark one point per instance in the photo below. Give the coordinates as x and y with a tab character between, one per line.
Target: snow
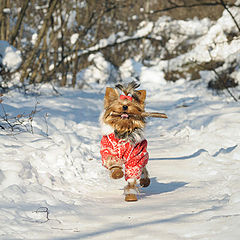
74	38
101	71
194	162
52	183
71	21
34	38
7	10
206	40
10	57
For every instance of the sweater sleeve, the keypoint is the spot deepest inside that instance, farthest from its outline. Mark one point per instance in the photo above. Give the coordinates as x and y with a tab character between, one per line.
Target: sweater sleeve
139	153
136	160
107	152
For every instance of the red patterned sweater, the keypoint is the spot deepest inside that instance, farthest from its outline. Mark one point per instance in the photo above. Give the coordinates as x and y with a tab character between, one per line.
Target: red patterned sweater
115	151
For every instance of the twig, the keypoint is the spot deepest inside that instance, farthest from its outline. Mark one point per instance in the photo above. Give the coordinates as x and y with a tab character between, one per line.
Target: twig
5	117
45	119
55	90
143	114
175	6
154	114
21	120
230	13
218	76
43	210
32	115
222	82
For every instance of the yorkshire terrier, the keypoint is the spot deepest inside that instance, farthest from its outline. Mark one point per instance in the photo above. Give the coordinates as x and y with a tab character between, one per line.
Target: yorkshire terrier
123	143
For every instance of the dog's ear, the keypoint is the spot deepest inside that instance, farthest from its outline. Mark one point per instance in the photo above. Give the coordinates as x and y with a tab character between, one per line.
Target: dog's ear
110	95
141	96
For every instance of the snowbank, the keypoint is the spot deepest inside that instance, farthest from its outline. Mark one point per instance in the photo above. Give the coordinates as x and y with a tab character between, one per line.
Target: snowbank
182	45
10	57
100	72
52	184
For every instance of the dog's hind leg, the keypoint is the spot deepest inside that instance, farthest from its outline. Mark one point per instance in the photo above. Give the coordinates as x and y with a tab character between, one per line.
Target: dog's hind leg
145	180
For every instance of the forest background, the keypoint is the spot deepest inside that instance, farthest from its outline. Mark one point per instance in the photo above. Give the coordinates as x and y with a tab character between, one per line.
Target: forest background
56	38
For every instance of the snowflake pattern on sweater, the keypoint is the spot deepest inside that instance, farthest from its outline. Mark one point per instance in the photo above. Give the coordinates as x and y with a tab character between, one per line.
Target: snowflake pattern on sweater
119	152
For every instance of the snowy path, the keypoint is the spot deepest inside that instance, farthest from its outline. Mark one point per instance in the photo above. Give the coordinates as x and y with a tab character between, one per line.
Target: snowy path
194	167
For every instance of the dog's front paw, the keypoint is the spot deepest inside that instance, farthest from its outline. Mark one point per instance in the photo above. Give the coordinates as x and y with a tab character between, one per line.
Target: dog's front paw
113	161
116	172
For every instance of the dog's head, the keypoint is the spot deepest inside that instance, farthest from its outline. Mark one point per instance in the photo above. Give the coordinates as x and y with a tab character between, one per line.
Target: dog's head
123	112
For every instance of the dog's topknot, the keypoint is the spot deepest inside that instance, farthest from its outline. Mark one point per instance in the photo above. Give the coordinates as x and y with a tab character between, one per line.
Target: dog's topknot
130	88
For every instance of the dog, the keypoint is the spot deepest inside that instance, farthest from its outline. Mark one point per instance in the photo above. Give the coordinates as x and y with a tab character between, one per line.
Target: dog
123	143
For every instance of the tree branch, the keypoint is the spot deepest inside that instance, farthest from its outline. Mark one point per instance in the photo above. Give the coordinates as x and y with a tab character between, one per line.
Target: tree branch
230	13
14	32
207	4
52	5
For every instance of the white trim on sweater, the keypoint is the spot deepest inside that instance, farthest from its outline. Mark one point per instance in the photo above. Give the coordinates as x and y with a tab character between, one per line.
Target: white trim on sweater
105	128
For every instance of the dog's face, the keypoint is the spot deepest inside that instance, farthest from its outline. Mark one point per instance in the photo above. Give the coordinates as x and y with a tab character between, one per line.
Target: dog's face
123	113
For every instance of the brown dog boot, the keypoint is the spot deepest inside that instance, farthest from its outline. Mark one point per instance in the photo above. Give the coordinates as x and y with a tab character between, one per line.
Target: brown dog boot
145	180
116	172
131	198
131	191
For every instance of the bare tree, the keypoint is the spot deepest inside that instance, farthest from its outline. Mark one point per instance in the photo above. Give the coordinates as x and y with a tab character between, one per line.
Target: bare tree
4	19
44	30
17	26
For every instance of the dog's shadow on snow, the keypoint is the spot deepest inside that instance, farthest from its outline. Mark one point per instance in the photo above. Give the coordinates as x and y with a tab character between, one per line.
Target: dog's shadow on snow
156	187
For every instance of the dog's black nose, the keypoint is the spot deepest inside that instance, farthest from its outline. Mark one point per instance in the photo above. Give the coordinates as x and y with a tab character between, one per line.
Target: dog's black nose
125	107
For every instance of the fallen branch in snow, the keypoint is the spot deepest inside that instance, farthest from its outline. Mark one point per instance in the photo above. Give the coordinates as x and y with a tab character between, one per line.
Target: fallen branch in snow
43	210
42	218
45	119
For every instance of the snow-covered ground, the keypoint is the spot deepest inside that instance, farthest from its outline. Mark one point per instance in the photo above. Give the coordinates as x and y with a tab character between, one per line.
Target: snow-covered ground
54	187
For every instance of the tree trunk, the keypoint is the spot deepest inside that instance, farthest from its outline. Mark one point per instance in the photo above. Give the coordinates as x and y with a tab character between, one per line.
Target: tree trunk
37	66
75	67
2	20
17	27
7	19
32	56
